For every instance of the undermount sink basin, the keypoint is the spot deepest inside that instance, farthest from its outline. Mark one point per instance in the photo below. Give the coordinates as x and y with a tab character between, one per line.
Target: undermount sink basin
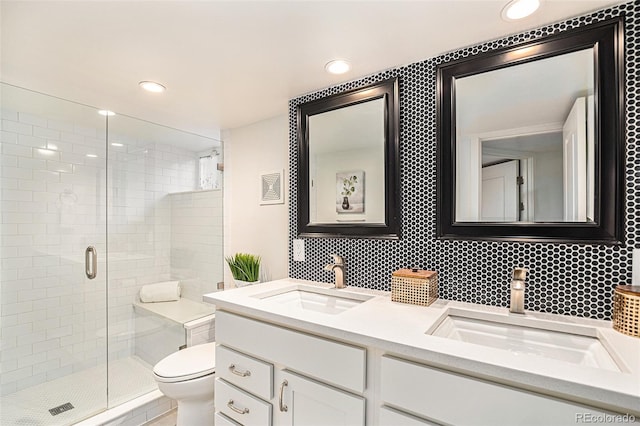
328	301
521	335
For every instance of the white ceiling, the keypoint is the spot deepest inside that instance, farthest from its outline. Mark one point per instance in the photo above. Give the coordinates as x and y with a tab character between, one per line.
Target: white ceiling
231	63
531	94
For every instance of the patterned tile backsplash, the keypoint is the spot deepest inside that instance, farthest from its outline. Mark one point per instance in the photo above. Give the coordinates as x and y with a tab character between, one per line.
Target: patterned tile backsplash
571	279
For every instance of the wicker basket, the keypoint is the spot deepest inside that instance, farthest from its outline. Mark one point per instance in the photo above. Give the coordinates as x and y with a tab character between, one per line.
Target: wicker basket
415	286
626	309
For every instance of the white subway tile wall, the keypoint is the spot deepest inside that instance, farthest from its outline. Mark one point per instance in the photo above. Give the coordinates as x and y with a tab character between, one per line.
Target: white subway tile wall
57	193
50	212
196	242
141	174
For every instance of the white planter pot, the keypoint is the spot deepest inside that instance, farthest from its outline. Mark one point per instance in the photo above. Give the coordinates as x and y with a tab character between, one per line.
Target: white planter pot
240	283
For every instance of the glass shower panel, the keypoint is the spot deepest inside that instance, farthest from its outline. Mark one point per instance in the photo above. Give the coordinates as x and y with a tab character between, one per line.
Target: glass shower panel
159	230
53	207
134	197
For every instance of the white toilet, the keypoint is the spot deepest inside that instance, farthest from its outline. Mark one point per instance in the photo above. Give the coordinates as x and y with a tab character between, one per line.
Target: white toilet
187	376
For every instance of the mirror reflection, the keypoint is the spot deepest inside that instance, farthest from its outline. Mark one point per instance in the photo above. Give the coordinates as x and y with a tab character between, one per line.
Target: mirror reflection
346	164
348	170
525	142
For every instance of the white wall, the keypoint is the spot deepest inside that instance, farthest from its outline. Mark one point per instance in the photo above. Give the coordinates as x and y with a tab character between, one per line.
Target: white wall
468	179
548	186
328	164
249	227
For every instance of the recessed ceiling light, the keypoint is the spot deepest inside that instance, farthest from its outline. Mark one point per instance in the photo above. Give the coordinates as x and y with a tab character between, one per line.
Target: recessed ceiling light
106	113
518	9
92	156
116	144
337	66
152	86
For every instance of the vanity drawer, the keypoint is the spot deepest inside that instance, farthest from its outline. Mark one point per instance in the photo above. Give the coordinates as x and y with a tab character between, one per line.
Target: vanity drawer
390	417
457	399
247	372
325	360
222	420
241	406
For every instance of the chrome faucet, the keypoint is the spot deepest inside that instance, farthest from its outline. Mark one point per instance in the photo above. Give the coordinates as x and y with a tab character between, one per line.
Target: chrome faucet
338	267
517	291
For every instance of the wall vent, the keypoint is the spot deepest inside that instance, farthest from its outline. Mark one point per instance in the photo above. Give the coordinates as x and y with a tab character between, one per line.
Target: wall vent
272	188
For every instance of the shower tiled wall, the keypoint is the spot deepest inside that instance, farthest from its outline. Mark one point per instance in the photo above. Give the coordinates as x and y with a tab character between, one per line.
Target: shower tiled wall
141	175
196	242
572	279
53	205
51	211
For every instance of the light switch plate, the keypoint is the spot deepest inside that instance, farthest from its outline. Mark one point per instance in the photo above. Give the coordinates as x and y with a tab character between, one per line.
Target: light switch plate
298	250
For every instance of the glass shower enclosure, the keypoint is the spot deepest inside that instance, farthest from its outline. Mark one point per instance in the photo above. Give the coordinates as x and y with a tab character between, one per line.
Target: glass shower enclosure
93	206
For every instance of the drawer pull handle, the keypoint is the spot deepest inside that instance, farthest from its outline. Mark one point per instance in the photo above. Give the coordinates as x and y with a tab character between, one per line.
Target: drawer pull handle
245	373
283	407
236	409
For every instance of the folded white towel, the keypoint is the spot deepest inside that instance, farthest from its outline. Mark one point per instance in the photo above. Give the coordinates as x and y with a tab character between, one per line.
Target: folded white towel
160	292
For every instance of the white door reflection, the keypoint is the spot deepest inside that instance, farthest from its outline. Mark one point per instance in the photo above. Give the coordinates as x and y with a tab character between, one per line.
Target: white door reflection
535	121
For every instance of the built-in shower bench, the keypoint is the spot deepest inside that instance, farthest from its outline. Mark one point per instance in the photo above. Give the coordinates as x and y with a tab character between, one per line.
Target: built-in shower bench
165	327
181	311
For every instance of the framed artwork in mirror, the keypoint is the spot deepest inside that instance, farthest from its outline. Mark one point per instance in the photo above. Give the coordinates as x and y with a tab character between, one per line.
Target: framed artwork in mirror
531	140
350	192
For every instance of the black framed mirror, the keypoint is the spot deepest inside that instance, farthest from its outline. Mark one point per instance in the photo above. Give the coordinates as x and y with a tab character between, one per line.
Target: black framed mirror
348	164
531	140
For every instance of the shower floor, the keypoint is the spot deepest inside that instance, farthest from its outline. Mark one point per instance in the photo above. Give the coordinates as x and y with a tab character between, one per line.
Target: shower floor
85	390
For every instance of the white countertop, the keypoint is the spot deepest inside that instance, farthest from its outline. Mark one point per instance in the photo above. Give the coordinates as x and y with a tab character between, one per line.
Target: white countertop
401	329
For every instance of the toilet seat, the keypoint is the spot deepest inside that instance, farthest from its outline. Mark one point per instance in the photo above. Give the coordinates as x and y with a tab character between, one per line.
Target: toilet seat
187	364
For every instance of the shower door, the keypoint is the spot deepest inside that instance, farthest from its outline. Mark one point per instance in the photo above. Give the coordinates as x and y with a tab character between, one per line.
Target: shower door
53	300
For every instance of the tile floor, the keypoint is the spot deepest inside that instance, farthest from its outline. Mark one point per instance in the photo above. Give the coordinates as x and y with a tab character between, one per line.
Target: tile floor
85	390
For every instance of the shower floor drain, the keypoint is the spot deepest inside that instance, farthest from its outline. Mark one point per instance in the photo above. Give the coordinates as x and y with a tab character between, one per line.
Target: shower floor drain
61	409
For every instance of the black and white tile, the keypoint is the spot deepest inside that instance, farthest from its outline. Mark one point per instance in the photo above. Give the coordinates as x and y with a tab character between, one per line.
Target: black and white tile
571	279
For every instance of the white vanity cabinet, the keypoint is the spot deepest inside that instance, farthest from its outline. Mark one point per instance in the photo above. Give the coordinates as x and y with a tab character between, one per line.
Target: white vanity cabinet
222	420
376	363
302	379
244	371
302	401
450	398
393	417
241	406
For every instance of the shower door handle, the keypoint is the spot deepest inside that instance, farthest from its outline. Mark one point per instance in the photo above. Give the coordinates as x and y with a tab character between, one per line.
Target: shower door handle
91	262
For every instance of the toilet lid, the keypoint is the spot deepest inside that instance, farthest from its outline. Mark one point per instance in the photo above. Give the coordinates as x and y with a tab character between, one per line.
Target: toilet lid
190	363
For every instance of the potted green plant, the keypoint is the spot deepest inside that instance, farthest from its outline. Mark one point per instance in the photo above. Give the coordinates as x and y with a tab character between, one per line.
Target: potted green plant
245	268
